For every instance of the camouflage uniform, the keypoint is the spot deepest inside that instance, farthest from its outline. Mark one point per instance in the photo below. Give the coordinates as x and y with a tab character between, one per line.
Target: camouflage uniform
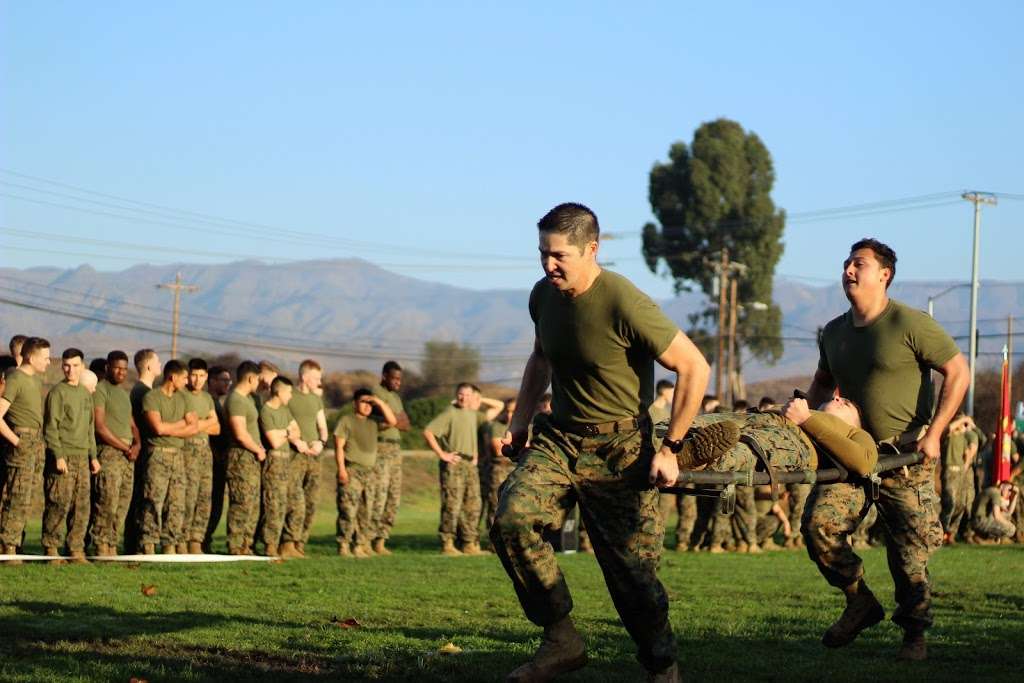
686	507
951	473
798	494
198	458
984	522
494	470
353	499
282	492
163	497
219	446
460	501
608	476
385	489
861	537
243	480
19	476
70	435
307	472
112	495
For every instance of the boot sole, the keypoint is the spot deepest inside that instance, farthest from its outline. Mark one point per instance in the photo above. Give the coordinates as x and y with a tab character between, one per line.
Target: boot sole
707	444
875	616
530	674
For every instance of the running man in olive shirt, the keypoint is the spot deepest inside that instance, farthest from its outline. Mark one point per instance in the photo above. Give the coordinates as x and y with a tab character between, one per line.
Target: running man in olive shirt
198	458
71	455
355	450
21	426
119	443
244	460
307	407
597	337
170	423
880	355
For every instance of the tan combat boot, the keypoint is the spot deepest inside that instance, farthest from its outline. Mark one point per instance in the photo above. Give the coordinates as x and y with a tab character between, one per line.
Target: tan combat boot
195	548
669	675
11	550
236	551
378	547
168	550
271	550
78	557
148	549
862	611
474	549
585	545
300	548
52	552
362	551
288	550
344	550
448	548
561	650
181	548
914	648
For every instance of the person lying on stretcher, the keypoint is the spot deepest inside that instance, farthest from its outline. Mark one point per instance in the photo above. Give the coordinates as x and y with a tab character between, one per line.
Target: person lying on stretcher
794	438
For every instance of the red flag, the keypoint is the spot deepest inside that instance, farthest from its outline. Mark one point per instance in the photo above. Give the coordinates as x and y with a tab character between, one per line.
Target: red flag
1004	427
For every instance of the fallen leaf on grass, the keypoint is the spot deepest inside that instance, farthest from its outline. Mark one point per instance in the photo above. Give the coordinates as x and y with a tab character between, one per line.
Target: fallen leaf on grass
449	649
346	623
133	679
149	591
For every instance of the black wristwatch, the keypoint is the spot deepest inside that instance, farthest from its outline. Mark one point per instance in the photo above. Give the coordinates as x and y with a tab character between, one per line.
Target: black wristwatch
674	445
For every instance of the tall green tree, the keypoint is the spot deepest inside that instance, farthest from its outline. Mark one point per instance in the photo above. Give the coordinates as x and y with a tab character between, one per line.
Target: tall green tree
716	193
445	364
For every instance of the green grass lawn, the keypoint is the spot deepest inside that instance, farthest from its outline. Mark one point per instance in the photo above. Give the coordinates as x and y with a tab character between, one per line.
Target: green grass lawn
754	617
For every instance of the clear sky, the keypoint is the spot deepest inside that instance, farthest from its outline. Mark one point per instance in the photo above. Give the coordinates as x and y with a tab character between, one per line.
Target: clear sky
448	129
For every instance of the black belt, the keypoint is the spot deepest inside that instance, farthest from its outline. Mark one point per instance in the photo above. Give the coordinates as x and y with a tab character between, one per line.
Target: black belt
628	424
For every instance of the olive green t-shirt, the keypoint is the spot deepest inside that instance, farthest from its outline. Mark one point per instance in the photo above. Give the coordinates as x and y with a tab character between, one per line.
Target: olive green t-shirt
456	429
117	409
989	501
953	447
25	394
137	395
885	367
660	414
69	421
238	405
394	402
274	419
601	346
171	408
360	435
202	405
304	408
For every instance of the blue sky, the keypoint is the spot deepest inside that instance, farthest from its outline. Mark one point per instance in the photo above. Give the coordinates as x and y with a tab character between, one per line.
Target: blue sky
447	129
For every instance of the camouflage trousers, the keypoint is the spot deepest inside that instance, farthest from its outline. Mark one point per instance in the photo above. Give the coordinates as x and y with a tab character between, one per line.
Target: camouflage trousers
217	489
284	510
308	474
198	490
460	501
741	525
163	497
798	494
243	480
66	515
387	489
112	495
608	476
491	479
782	441
18	484
354	522
957	497
686	507
990	527
862	534
909	508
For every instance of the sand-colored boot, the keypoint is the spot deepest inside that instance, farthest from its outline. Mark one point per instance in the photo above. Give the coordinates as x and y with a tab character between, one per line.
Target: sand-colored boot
271	550
148	549
78	557
181	548
289	551
862	611
448	548
362	551
300	547
52	552
378	547
344	550
474	549
561	650
11	550
914	648
195	548
169	550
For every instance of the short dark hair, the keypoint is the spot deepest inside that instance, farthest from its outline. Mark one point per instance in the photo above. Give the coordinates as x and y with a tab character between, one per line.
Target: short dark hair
142	357
765	402
99	366
174	367
267	366
279	381
197	364
216	370
115	356
390	366
72	353
17	341
361	392
577	222
739	405
884	254
33	344
245	369
662	385
464	385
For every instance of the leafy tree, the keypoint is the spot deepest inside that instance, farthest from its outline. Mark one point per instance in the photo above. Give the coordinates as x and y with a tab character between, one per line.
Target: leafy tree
712	194
446	364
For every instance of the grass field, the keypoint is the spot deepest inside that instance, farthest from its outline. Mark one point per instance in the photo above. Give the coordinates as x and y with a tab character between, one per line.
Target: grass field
735	616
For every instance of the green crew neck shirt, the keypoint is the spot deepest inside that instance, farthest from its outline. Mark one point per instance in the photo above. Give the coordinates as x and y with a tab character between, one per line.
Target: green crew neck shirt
25	394
117	409
456	430
274	419
136	396
69	421
202	405
304	408
238	405
601	347
394	402
360	435
885	367
171	408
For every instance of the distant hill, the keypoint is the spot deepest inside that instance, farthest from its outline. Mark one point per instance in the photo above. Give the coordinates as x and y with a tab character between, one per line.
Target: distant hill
352	314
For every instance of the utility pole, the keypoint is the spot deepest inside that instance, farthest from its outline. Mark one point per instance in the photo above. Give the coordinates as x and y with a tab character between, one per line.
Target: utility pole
976	198
177	287
732	340
723	280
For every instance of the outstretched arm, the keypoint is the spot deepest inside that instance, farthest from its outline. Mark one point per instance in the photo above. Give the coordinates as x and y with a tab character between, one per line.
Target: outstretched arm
692	373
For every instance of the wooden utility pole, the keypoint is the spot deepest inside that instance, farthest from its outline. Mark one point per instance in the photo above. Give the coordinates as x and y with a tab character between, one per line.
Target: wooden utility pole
723	280
732	340
177	287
